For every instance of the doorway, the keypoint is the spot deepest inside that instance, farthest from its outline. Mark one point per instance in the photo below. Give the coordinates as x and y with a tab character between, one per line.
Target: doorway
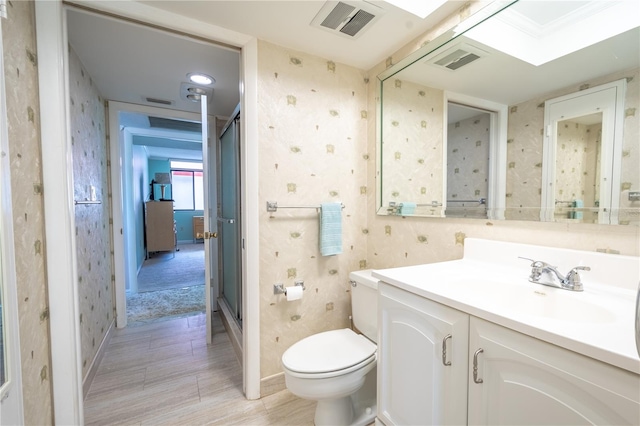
468	141
56	141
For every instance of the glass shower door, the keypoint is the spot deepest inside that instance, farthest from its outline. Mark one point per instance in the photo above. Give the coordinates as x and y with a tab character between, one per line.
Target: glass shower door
229	219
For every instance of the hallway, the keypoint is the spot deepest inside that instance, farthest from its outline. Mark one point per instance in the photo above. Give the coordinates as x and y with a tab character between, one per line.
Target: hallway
164	373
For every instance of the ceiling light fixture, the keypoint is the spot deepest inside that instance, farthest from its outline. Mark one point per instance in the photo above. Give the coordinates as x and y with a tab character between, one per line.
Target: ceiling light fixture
200	78
422	9
194	97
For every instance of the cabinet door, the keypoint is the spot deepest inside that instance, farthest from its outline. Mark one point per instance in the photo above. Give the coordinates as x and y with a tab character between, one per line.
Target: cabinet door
415	387
528	381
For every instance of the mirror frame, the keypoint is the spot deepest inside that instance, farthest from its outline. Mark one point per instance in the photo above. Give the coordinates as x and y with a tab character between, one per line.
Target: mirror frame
497	179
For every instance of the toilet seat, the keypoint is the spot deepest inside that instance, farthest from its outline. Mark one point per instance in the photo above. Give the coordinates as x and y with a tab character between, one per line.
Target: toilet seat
328	354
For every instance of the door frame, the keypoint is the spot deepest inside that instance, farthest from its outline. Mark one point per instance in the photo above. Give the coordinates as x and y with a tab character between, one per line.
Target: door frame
497	179
62	285
607	98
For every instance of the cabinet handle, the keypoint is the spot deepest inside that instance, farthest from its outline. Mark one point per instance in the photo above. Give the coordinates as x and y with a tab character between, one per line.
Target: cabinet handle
444	350
475	366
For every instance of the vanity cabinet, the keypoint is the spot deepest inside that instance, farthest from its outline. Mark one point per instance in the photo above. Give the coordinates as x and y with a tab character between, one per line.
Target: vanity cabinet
497	376
526	380
422	361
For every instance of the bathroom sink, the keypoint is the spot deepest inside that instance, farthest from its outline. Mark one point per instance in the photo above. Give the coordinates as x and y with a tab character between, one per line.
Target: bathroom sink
525	298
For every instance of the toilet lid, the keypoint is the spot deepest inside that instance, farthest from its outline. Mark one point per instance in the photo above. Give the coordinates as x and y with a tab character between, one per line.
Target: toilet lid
328	351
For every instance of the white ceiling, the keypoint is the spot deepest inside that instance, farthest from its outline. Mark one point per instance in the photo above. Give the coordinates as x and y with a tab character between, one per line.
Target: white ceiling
287	23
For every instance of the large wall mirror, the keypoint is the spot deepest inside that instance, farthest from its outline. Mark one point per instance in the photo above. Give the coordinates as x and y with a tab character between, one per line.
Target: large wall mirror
527	110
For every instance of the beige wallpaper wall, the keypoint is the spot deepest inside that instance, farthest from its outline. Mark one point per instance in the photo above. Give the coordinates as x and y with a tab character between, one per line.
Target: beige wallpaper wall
313	149
412	148
21	80
577	170
397	241
95	278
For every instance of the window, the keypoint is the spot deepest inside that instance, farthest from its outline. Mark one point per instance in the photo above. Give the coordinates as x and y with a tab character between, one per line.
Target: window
187	185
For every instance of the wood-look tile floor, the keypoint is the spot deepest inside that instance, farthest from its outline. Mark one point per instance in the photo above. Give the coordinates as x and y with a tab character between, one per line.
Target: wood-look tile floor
164	373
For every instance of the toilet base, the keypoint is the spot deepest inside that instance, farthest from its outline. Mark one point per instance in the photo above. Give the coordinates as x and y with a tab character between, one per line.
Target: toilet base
330	412
357	409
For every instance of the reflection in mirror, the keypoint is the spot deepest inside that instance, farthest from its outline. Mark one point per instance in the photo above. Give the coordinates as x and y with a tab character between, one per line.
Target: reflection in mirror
517	59
412	148
583	149
577	171
468	131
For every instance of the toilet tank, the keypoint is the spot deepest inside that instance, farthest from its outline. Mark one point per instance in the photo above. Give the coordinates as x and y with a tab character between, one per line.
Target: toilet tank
364	303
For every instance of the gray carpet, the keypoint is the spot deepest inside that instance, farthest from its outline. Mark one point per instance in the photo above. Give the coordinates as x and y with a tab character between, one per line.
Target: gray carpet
169	287
162	305
163	271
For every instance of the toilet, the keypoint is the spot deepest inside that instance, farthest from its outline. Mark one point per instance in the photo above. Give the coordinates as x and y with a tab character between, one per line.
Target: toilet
337	368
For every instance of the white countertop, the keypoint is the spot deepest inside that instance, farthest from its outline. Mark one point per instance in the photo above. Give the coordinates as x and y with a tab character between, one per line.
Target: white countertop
491	283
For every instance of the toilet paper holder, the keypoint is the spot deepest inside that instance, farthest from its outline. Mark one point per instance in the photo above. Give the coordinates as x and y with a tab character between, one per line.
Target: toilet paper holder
279	288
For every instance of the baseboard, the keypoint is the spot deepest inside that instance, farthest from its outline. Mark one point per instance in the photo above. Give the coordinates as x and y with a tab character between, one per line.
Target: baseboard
234	332
272	384
93	368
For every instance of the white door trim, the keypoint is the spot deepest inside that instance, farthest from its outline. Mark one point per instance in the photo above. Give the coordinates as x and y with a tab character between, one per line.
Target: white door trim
609	100
62	262
497	185
57	175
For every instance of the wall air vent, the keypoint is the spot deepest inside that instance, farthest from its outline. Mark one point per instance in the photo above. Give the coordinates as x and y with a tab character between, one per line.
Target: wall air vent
347	18
457	56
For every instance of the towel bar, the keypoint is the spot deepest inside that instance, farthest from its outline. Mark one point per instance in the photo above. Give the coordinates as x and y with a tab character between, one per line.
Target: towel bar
272	206
479	201
76	202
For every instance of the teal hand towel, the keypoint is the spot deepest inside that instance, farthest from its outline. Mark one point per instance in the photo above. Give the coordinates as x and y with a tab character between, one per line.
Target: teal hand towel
330	229
578	204
407	208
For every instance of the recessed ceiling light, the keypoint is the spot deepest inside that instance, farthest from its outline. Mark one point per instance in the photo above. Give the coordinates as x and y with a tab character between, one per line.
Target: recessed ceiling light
422	9
194	97
200	78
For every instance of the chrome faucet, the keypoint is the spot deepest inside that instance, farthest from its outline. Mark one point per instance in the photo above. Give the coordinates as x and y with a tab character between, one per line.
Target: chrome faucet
545	274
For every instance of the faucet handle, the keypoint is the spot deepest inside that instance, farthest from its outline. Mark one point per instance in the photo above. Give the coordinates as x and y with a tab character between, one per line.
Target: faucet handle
534	263
573	278
536	268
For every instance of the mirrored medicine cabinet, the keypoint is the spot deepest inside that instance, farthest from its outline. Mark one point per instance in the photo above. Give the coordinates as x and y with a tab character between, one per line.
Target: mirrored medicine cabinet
509	115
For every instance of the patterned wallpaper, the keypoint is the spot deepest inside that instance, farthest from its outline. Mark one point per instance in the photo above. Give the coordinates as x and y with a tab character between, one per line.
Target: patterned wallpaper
577	170
21	79
412	145
89	146
313	149
524	151
467	166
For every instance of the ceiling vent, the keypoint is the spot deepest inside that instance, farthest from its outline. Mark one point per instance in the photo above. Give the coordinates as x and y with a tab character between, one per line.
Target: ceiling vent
347	18
170	124
158	101
457	57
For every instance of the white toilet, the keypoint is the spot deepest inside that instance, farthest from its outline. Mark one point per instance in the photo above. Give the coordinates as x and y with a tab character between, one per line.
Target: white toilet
337	368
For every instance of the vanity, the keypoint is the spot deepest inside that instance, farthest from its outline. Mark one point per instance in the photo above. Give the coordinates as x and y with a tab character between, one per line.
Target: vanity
473	341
